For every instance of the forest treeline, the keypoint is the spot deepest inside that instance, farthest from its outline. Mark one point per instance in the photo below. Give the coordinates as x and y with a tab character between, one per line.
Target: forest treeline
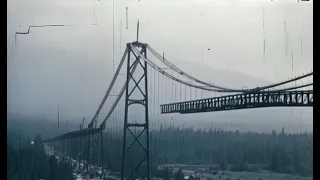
279	152
26	161
233	150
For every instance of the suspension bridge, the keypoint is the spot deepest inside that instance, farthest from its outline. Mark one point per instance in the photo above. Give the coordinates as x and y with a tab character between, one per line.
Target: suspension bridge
85	141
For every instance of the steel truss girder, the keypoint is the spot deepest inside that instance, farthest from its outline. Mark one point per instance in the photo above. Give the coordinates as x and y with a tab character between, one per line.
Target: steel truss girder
243	101
91	144
80	144
75	134
144	102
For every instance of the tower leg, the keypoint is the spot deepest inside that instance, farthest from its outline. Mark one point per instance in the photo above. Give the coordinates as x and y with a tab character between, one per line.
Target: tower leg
129	100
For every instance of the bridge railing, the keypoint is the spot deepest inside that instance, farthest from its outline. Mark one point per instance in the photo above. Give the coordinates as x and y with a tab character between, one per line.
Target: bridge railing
242	101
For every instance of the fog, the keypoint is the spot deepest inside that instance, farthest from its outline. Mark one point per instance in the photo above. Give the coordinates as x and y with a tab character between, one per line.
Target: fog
73	66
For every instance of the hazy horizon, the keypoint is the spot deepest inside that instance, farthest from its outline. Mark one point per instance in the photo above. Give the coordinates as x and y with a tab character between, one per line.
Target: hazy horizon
72	66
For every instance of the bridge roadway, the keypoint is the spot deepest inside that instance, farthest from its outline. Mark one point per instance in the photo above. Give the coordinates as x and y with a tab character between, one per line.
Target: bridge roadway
75	134
242	101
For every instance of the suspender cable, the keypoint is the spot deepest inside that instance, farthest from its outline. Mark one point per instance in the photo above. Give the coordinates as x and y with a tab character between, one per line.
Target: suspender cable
180	91
154	95
190	93
185	92
286	37
172	91
158	90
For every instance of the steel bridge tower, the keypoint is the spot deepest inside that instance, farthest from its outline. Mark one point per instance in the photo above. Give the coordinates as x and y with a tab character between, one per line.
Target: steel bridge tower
143	127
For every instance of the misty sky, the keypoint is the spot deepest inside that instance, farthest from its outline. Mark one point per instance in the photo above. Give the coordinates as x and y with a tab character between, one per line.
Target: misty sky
72	66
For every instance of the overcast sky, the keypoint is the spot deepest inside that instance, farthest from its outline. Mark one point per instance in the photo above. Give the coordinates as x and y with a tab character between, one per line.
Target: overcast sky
72	66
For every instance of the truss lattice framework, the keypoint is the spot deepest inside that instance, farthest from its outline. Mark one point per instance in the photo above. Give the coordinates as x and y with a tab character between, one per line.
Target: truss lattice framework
74	134
242	101
80	144
135	171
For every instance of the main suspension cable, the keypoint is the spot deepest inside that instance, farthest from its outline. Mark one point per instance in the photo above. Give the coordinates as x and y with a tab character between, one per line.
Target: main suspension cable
102	125
109	89
223	89
156	67
209	89
291	88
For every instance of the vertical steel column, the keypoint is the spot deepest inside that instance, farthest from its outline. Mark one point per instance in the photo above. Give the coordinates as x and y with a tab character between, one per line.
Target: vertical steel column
146	111
144	102
82	149
102	160
88	136
81	152
88	151
68	147
75	148
72	147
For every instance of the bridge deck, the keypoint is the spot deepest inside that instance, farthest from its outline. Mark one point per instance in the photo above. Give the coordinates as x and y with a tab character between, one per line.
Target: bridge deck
242	101
75	134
